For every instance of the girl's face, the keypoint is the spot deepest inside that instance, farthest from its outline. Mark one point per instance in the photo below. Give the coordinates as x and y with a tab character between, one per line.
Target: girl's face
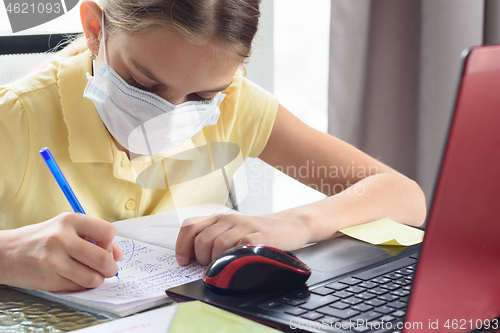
164	63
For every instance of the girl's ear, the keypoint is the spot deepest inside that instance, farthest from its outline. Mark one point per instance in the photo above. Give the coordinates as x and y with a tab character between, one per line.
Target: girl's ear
91	16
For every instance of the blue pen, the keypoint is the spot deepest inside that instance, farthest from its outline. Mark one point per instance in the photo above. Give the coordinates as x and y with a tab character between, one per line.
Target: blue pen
61	180
63	183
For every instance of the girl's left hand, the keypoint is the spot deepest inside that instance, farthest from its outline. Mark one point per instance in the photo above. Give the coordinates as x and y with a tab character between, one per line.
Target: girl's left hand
206	238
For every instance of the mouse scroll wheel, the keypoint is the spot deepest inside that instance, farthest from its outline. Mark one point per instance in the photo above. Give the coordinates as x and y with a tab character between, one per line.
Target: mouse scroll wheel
291	254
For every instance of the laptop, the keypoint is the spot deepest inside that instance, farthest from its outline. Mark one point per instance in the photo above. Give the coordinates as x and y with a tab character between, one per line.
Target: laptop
450	283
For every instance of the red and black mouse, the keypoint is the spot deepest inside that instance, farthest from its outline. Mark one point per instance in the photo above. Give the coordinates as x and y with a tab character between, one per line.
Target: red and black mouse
256	268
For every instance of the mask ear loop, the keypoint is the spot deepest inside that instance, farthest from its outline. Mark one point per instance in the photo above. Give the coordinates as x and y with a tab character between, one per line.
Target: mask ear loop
104	38
92	56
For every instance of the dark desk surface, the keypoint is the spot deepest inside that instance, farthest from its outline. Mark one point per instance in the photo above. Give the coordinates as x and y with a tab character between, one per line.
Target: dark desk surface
21	312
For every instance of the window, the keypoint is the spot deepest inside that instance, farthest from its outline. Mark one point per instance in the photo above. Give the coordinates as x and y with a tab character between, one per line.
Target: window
301	51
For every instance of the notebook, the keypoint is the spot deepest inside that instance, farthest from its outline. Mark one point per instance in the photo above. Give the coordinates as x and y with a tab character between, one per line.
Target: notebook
449	284
147	268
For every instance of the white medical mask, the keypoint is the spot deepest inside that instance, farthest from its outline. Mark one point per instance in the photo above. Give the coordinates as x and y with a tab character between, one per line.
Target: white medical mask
143	122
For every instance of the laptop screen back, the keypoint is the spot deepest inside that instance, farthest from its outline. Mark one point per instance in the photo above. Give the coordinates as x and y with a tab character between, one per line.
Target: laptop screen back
457	282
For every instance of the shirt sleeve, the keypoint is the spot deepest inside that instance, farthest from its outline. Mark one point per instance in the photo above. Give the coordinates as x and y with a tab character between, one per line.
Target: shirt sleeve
14	141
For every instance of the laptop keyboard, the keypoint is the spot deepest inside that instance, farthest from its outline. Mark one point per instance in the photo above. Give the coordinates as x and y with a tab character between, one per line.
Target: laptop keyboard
376	295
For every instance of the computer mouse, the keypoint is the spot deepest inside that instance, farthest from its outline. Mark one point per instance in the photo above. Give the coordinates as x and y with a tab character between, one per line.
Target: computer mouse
255	268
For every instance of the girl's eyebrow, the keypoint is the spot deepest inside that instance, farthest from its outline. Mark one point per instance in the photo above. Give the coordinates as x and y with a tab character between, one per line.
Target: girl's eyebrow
152	77
216	90
146	72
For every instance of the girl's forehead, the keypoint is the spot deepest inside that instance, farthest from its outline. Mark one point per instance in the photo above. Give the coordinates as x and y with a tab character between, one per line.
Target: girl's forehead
161	42
165	54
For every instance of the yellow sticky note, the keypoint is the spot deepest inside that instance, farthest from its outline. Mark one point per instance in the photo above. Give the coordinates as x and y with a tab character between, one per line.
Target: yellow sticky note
385	232
200	317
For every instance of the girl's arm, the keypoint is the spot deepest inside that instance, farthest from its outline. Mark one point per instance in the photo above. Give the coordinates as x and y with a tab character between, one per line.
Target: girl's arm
360	189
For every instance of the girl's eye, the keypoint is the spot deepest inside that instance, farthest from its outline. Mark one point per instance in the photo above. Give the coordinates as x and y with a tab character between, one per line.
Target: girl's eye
199	98
136	84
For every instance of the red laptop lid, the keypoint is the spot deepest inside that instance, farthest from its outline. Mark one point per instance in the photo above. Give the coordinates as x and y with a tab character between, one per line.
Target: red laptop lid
457	282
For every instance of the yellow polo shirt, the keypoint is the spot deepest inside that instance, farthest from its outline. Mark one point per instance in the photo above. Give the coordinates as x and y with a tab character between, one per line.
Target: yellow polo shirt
47	109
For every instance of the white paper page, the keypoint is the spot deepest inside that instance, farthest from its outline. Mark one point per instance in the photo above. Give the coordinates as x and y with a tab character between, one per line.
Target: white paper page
158	320
162	229
145	271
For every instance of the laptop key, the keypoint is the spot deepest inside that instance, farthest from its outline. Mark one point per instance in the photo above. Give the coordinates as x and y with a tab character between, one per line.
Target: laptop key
397	305
367	316
355	289
313	316
361	328
403	282
343	294
387	318
296	311
336	286
368	284
270	305
388	297
322	291
391	286
328	320
380	280
384	309
295	302
398	313
284	299
346	325
300	294
362	307
342	314
400	292
366	295
379	291
340	305
393	276
377	325
316	301
375	302
404	271
350	281
352	300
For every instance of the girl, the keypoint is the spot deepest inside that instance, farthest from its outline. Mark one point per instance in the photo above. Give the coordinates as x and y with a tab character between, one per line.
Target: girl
154	86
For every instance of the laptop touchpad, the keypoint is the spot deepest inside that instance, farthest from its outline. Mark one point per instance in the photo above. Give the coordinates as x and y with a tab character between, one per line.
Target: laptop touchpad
341	255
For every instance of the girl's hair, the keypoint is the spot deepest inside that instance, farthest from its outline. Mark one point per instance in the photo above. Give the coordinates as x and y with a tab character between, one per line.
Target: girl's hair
231	24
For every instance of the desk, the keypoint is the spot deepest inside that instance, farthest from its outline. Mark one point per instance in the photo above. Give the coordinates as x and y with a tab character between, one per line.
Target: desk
20	312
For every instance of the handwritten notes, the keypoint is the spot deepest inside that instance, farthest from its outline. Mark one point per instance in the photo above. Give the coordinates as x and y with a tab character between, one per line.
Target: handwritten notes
145	271
385	232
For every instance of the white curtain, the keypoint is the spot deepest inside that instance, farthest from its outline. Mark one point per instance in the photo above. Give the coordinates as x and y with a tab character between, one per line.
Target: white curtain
394	70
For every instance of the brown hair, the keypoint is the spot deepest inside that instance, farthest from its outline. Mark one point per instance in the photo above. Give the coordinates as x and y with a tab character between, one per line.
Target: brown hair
231	24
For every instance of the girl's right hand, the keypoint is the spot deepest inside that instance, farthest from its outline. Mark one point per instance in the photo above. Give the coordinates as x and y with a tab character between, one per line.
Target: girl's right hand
54	255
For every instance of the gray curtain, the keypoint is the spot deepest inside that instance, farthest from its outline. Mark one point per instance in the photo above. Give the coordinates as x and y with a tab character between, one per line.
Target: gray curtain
394	70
